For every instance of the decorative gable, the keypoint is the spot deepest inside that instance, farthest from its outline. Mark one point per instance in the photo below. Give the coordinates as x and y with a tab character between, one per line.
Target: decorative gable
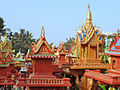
43	50
42	47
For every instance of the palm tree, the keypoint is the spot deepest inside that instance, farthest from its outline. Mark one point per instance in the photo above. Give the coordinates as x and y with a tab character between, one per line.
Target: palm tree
2	30
22	40
69	43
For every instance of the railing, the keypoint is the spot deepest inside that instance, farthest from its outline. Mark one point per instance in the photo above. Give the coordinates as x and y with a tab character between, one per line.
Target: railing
42	81
103	77
98	75
93	65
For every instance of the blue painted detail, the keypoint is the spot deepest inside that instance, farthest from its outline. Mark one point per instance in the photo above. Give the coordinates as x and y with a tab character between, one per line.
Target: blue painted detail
29	63
118	43
83	33
25	64
96	32
55	60
99	37
81	37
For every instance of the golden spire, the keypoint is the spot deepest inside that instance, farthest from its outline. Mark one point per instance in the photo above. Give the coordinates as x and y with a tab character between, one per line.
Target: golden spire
89	17
42	33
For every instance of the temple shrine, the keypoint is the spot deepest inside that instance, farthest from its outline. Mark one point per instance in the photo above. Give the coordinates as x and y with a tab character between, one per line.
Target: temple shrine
88	45
111	79
42	59
71	54
7	69
61	51
20	61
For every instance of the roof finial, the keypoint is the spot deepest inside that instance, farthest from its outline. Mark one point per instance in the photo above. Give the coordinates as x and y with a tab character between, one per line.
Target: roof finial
89	17
88	6
42	33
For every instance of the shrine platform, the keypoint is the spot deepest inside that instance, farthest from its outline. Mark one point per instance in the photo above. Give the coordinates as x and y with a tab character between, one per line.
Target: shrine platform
112	78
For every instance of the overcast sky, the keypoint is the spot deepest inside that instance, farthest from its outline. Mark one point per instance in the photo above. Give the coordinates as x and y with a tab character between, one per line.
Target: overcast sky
60	18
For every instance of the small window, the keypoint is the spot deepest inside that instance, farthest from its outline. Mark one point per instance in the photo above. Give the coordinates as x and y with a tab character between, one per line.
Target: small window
114	61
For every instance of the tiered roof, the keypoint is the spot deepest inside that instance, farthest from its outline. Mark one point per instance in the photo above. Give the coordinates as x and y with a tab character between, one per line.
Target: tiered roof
87	31
88	40
42	49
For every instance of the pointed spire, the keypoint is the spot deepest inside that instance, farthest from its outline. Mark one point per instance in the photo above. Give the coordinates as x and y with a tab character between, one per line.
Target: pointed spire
42	33
89	17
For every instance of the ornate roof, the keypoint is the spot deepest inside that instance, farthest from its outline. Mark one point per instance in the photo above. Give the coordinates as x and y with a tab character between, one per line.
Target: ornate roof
115	46
41	48
87	31
61	49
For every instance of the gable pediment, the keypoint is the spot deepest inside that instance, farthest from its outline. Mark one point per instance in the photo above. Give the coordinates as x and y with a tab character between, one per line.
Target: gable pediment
43	49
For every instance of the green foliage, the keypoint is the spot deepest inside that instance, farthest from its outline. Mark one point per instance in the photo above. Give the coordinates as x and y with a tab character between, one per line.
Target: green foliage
21	40
2	27
102	86
69	43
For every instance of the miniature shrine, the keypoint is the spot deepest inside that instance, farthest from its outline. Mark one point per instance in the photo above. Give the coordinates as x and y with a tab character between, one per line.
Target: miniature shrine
88	40
111	79
7	69
19	60
61	65
42	78
61	51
